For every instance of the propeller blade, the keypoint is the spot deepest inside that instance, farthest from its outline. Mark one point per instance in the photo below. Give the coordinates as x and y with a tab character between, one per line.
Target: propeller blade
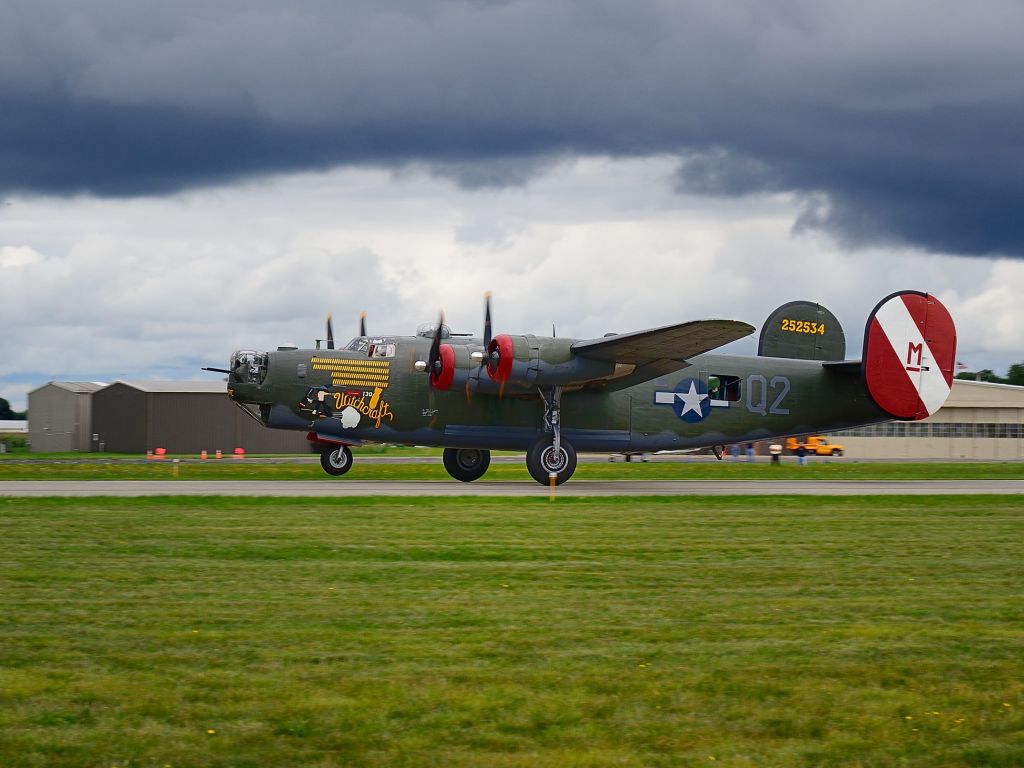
362	323
487	319
435	346
330	333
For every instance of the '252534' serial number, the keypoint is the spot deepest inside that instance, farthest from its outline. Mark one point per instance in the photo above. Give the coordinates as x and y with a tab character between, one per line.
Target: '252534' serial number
803	326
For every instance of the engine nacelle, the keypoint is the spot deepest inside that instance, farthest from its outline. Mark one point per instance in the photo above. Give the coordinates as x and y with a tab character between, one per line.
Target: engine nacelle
528	362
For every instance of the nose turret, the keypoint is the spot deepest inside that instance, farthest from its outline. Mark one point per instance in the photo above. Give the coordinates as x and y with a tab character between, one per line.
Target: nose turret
247	367
246	372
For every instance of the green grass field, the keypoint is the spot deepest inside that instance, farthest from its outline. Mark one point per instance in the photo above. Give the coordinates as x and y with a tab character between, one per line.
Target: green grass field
488	632
230	469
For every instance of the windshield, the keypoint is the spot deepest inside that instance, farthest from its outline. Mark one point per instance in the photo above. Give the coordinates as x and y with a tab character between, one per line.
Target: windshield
426	330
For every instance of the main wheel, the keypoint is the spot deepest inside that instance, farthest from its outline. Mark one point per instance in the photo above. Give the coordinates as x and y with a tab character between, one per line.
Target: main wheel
336	459
466	464
837	452
541	461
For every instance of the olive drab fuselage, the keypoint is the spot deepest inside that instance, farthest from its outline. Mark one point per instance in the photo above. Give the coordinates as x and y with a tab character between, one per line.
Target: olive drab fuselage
373	392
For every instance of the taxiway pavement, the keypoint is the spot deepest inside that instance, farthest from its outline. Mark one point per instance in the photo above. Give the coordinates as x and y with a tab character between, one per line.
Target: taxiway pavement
342	488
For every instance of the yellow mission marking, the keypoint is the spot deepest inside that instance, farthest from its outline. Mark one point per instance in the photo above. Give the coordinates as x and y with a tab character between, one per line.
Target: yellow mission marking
346	361
374	374
361	383
353	366
350	369
360	374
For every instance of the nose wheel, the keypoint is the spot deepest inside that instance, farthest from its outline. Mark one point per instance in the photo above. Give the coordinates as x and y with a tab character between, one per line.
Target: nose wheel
336	459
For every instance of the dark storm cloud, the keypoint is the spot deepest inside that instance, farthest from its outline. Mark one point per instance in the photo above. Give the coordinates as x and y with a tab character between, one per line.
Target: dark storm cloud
896	122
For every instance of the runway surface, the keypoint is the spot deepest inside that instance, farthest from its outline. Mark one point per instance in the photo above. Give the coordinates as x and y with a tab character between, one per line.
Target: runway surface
341	488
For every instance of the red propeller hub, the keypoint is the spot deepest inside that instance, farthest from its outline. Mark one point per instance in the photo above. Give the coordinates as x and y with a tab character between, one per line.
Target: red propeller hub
499	367
443	378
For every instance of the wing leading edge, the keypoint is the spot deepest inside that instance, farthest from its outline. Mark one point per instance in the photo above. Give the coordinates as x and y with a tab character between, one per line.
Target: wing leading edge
658	351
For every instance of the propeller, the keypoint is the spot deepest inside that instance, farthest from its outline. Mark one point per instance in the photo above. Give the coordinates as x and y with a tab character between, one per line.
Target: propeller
435	347
487	319
487	340
362	323
330	333
491	357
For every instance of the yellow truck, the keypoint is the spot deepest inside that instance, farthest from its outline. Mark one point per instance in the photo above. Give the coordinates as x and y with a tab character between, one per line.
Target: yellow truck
814	445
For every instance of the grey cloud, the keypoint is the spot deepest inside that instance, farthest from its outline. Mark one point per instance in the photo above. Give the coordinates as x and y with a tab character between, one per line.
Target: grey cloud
905	118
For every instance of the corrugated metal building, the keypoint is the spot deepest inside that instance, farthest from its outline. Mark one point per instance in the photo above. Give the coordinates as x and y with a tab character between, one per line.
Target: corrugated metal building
979	421
59	416
182	417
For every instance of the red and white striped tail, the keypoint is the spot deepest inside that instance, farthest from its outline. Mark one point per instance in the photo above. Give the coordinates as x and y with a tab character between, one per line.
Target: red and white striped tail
909	355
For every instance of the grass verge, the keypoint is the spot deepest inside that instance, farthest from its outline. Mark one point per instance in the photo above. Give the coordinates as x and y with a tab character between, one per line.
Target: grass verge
467	632
230	469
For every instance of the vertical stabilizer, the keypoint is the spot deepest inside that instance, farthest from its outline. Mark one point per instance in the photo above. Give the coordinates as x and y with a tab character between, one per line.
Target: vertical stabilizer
909	355
802	330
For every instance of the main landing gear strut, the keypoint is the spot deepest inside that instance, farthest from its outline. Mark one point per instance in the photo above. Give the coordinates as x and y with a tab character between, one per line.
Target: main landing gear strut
551	457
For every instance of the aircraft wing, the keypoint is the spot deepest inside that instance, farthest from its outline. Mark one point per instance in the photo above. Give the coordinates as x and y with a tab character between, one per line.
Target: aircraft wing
658	351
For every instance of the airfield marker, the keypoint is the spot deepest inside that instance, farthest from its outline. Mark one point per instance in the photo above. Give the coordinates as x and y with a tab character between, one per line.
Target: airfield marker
552	477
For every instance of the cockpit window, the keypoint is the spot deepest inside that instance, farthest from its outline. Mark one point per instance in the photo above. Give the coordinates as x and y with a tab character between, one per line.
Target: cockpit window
358	344
426	330
381	350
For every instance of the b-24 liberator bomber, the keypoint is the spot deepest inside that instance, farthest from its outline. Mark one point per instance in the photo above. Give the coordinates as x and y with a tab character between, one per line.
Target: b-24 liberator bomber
658	389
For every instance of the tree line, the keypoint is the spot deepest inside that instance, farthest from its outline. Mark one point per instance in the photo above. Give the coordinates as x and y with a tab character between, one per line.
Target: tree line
6	414
1015	375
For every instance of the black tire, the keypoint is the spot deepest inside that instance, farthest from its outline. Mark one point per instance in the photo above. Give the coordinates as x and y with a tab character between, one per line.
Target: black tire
336	459
541	461
466	464
837	452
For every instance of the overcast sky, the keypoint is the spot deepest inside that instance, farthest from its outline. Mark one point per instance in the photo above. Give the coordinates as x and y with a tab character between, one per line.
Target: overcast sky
181	179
